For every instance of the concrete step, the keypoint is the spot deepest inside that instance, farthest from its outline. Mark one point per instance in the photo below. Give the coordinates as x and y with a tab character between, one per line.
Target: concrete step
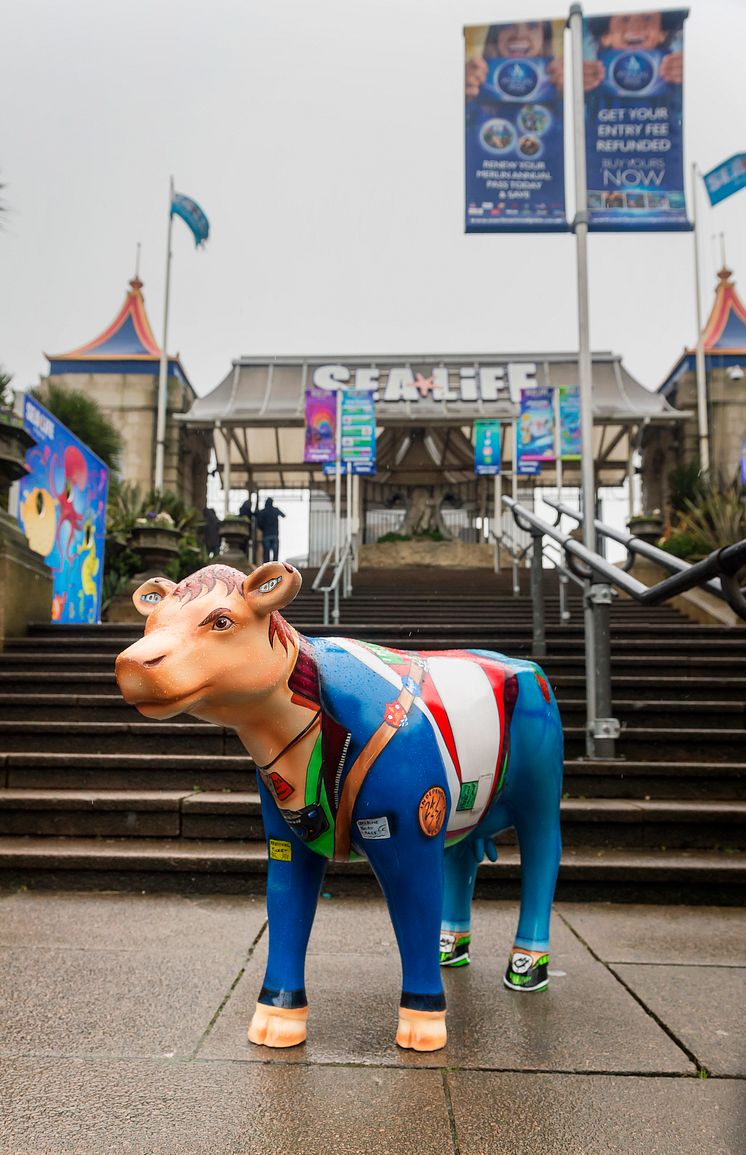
663	712
77	737
606	822
206	866
186	772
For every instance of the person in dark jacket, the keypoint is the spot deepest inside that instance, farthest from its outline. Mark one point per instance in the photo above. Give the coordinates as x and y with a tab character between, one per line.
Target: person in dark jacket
268	521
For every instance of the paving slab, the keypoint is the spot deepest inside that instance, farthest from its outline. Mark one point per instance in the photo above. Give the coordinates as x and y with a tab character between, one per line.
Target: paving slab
699	935
702	1006
110	1003
522	1114
130	921
587	1021
76	1107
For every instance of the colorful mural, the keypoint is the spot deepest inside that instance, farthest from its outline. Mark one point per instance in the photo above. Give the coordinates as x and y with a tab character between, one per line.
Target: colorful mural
62	511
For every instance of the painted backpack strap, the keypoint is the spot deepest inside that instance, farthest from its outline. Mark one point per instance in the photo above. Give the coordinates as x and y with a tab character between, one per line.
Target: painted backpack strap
395	718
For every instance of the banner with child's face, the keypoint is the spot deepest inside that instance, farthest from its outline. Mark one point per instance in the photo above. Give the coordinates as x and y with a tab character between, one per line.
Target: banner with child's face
515	163
633	71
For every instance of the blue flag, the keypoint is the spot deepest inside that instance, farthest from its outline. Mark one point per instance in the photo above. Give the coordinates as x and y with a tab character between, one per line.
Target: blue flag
726	179
192	215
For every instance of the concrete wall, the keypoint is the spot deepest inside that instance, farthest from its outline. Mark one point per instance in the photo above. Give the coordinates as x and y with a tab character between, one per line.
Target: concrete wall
130	402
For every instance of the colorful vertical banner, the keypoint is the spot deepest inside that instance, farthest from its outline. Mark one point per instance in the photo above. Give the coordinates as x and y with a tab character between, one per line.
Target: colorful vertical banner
486	448
359	432
633	71
62	511
536	425
570	436
514	127
321	423
726	179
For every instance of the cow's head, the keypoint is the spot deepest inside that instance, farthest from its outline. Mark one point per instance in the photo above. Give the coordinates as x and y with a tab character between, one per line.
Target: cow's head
213	642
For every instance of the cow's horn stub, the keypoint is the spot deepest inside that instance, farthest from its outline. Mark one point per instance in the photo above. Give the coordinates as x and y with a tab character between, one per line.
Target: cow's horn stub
151	593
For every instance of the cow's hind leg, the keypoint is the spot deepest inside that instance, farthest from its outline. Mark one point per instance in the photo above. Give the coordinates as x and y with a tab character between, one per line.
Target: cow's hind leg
411	877
541	848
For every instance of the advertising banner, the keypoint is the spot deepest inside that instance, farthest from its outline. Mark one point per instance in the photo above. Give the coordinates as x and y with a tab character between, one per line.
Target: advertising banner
321	423
570	438
536	425
62	511
486	448
633	69
359	432
514	127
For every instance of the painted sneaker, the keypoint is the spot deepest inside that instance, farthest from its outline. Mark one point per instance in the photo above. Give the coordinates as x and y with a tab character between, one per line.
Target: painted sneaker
527	971
454	948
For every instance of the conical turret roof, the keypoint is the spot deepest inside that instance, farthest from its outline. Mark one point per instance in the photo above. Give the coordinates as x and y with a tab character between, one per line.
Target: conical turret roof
726	325
127	345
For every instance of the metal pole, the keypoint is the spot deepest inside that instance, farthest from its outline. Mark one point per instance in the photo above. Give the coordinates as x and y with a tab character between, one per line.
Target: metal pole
538	643
227	473
564	615
702	422
498	527
338	481
160	428
584	350
514	495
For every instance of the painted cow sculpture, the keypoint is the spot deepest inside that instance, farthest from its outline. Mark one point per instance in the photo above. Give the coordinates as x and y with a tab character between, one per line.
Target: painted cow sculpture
412	760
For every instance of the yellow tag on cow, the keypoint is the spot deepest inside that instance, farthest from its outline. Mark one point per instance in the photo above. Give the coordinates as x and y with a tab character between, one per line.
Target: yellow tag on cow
282	851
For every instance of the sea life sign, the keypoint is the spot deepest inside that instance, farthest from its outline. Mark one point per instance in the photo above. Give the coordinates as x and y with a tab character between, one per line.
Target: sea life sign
62	511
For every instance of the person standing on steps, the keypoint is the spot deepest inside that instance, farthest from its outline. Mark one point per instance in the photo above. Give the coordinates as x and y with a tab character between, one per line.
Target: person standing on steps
268	521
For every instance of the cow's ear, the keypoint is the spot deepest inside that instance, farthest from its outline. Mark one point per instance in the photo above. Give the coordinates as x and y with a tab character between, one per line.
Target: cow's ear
151	593
271	586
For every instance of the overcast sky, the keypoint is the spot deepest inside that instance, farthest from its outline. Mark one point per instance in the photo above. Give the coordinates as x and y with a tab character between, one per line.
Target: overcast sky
324	141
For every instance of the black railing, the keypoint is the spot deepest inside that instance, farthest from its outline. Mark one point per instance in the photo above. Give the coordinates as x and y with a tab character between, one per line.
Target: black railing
718	574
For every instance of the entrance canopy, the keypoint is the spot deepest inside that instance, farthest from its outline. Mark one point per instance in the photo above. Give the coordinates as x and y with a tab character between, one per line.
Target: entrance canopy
425	410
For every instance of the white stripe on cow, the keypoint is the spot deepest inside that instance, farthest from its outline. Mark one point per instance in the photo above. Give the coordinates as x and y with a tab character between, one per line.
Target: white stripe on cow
469	701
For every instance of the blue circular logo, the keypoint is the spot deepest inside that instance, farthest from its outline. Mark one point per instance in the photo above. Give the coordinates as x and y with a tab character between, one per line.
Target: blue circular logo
517	78
633	71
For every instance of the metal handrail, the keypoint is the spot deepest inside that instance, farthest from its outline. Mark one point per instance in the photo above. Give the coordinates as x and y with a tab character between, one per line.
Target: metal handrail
599	576
342	570
324	566
636	545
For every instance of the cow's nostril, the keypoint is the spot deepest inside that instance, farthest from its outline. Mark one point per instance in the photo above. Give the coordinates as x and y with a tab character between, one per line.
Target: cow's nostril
154	662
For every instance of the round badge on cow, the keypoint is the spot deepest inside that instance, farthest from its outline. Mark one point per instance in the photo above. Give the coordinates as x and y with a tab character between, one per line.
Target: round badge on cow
432	811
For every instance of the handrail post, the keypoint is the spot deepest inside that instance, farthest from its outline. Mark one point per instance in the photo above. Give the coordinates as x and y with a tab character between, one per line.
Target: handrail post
326	606
602	729
539	641
335	611
564	581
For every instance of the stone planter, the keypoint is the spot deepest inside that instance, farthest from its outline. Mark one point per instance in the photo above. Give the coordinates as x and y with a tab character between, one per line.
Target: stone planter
647	526
394	554
14	442
155	545
235	534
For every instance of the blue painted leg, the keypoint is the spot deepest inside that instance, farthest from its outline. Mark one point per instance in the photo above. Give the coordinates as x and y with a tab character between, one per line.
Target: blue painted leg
415	900
455	926
294	879
541	849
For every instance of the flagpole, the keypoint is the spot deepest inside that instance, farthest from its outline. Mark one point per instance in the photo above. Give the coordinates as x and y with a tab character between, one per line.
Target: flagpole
702	422
160	434
587	474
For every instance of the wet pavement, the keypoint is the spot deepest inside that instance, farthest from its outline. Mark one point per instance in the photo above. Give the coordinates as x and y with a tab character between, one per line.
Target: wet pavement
123	1029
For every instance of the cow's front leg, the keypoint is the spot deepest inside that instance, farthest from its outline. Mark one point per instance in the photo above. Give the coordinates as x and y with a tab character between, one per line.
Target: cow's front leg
409	868
294	879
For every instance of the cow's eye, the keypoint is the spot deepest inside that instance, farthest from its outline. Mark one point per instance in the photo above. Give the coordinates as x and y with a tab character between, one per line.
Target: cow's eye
222	623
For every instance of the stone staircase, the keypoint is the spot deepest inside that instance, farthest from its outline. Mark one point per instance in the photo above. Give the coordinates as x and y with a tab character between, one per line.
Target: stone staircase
92	795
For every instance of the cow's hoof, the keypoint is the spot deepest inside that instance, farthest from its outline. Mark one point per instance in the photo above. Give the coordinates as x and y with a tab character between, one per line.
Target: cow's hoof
421	1030
454	948
278	1026
528	970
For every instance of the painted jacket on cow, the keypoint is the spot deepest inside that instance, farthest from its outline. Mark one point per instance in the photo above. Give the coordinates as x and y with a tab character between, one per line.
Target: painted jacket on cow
448	711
